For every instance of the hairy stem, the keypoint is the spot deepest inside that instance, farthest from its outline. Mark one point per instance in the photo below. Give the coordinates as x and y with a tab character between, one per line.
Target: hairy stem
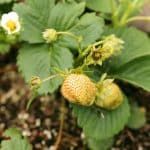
138	18
113	11
50	77
126	14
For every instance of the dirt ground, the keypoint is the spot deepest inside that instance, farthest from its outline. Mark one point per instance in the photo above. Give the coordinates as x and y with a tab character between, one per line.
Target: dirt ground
41	122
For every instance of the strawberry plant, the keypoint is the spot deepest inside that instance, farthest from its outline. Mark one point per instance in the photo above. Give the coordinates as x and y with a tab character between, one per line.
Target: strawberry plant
83	49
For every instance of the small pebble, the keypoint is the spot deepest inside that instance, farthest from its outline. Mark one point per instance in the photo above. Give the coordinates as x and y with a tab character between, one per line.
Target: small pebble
2	126
23	116
26	133
54	132
38	123
82	135
43	142
48	134
52	148
38	146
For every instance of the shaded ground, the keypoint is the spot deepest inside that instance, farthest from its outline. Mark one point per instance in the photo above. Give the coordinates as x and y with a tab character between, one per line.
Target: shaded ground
41	122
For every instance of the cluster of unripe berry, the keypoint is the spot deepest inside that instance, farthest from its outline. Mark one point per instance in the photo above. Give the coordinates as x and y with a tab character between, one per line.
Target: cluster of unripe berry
79	89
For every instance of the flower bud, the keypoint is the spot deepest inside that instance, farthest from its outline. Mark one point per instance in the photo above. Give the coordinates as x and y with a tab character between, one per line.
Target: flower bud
35	82
50	35
79	89
109	96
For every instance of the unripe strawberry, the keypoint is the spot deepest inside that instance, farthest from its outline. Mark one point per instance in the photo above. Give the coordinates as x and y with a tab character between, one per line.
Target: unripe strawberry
109	97
78	88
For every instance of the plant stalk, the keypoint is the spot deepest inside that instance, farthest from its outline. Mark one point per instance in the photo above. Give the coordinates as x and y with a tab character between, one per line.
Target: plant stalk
62	119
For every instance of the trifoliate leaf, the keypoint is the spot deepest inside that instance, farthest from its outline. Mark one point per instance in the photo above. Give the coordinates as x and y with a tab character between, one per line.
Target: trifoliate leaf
16	141
137	118
42	60
101	124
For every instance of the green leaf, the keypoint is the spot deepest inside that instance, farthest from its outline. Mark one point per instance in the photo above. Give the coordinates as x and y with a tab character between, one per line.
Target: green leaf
136	72
89	27
132	65
4	48
137	118
100	144
64	16
39	15
12	132
16	141
99	5
40	60
6	1
98	126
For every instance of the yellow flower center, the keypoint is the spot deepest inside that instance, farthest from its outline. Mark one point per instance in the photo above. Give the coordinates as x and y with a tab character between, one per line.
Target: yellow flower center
11	25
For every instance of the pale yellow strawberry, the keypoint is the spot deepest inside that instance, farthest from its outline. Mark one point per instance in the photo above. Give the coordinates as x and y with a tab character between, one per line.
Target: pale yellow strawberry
109	97
79	89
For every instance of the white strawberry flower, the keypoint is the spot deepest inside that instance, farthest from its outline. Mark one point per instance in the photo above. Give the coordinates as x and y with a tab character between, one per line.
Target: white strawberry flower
10	22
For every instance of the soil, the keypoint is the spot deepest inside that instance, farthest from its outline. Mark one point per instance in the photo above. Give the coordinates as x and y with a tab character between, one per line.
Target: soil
41	122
